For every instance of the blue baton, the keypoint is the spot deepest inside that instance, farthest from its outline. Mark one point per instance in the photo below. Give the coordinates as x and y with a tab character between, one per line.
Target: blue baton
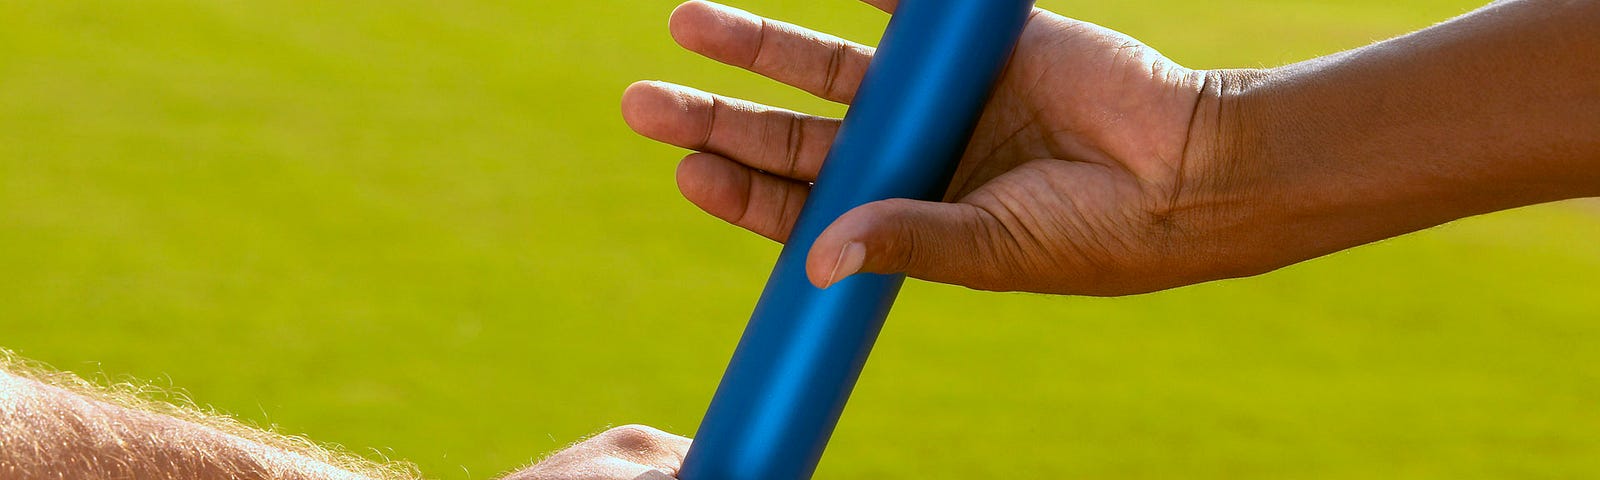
902	138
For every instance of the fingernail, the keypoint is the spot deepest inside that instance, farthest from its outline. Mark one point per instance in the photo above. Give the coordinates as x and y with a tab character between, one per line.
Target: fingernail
850	259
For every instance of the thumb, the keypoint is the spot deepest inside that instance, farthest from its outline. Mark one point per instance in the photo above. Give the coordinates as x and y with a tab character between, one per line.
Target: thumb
942	242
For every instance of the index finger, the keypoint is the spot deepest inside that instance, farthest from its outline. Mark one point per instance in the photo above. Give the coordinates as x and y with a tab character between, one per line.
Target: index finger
824	65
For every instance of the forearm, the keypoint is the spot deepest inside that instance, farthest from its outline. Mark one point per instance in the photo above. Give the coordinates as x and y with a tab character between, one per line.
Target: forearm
58	431
1494	110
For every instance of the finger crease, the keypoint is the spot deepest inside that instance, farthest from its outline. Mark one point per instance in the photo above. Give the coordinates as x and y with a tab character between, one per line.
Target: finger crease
998	243
903	263
835	64
796	139
748	196
776	231
711	124
761	43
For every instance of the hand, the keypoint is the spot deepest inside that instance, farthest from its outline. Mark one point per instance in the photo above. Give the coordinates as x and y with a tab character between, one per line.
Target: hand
630	452
1083	175
1102	168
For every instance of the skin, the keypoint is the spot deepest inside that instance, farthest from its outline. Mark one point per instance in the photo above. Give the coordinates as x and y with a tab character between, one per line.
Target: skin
1101	167
54	426
50	431
632	452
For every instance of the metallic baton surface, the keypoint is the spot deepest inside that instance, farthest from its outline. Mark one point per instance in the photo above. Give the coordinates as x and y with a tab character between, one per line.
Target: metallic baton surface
902	138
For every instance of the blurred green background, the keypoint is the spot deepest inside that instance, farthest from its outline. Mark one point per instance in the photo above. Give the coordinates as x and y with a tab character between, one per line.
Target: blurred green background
420	229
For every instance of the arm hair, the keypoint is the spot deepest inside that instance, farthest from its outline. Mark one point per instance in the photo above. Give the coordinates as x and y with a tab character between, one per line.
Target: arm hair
56	425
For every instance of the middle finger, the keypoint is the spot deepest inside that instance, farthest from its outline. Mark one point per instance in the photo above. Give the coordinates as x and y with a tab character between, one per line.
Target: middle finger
769	139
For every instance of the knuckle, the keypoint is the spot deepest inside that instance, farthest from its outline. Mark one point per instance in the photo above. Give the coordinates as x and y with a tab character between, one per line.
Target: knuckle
637	438
889	213
891	233
996	263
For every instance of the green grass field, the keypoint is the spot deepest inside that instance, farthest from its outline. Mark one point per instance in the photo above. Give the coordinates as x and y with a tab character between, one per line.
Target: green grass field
420	229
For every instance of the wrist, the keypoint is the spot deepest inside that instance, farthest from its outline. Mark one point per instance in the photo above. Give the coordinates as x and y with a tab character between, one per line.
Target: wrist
1308	159
1291	176
1225	190
1275	179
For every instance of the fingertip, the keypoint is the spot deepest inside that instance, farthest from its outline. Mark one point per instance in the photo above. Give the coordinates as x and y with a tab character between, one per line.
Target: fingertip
641	93
881	237
690	17
851	259
713	183
824	271
666	112
710	29
640	101
817	267
838	252
817	261
689	22
820	260
631	94
692	173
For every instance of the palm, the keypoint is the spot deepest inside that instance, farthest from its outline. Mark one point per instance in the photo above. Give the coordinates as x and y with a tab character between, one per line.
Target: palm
1080	93
1084	140
1084	136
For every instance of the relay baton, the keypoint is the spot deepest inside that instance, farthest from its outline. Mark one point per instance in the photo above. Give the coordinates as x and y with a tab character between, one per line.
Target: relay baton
903	136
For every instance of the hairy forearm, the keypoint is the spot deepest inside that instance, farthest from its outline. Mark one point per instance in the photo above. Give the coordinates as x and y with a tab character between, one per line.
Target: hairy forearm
1494	110
54	429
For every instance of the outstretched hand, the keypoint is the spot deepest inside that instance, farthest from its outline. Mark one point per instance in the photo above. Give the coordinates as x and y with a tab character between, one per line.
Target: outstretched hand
1100	167
1079	178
